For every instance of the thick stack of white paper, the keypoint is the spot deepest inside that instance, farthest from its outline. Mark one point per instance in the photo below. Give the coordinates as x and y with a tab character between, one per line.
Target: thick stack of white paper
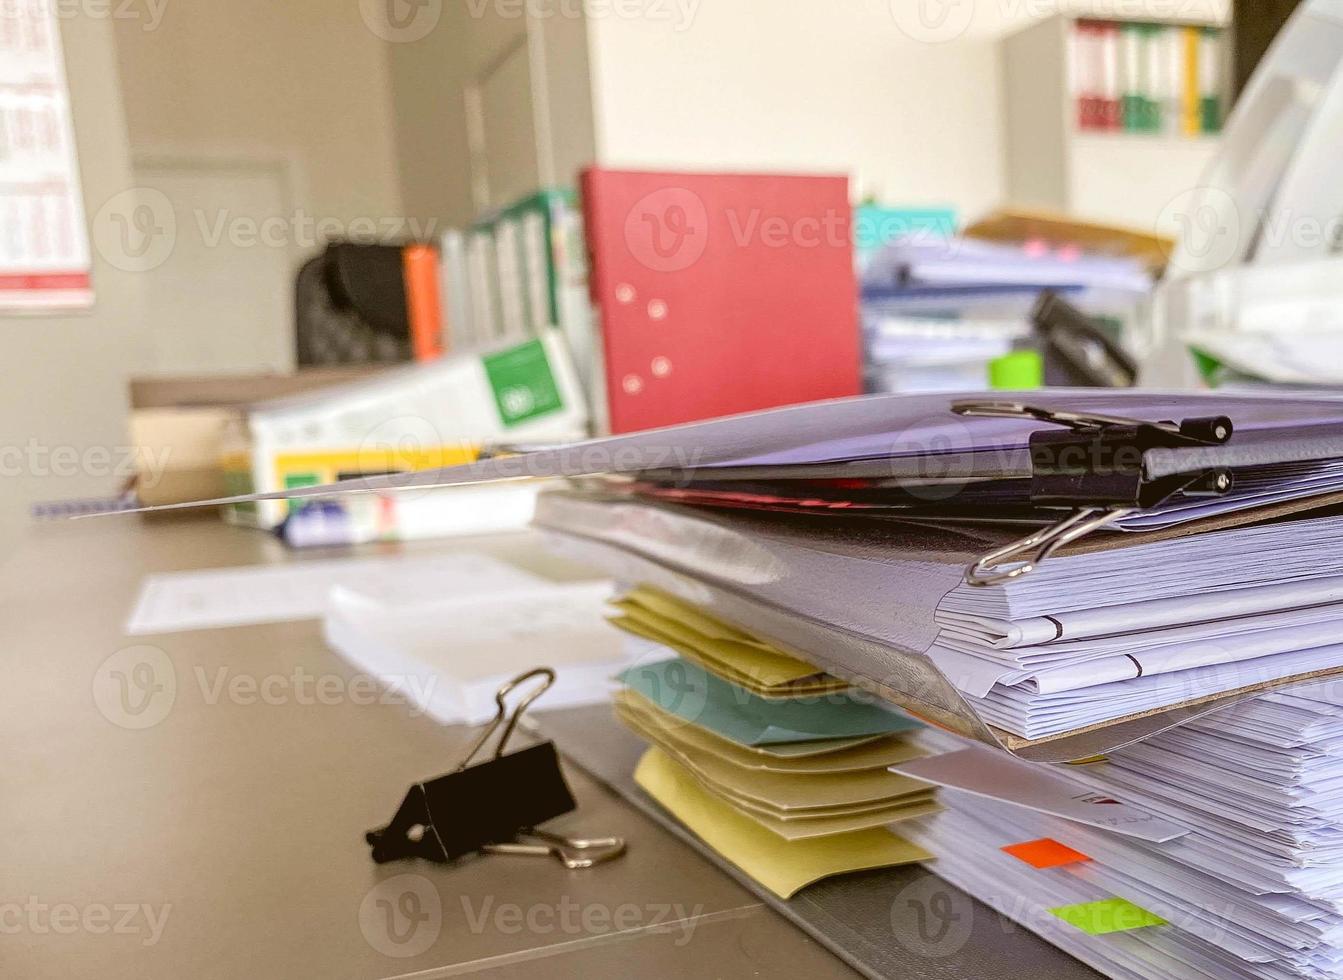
1100	636
1253	888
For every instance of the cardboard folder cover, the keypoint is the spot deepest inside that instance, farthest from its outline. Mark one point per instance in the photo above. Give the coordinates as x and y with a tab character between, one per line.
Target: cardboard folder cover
844	756
782	866
732	654
740	789
691	693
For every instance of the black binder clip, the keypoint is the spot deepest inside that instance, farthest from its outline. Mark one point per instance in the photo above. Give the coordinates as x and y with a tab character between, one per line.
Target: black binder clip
494	806
1094	465
1077	352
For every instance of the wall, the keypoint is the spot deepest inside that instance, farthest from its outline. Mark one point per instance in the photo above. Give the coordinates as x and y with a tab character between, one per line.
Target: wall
801	85
306	80
904	95
262	129
427	75
65	378
431	75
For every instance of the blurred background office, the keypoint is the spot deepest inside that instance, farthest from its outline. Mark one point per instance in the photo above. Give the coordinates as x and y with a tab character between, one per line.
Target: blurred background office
204	245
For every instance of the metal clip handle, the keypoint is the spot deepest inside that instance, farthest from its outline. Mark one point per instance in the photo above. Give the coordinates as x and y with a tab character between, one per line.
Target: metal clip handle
1022	557
572	852
523	705
1214	430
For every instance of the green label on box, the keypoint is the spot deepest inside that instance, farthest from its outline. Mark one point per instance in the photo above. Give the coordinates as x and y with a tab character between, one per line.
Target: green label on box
294	481
524	386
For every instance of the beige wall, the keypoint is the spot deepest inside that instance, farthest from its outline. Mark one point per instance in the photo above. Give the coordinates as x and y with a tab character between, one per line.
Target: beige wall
305	80
247	115
65	377
807	86
434	159
430	76
904	95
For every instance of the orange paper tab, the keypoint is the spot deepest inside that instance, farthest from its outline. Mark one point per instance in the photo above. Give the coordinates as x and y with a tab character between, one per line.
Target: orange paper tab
1045	853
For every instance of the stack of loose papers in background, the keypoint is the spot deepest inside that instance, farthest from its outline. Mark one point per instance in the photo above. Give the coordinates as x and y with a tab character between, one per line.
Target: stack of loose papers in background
1252	886
778	767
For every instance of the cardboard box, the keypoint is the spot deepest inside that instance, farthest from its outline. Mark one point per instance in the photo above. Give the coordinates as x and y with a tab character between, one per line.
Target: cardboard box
407	418
180	427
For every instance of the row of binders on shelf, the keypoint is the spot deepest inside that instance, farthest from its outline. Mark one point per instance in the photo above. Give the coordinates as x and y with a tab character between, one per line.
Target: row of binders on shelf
1147	78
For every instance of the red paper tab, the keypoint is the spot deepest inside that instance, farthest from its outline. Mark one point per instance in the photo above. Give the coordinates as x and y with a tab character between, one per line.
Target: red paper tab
1045	853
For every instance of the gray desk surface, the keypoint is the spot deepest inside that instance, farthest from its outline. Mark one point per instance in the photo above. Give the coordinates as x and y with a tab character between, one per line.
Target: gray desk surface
225	839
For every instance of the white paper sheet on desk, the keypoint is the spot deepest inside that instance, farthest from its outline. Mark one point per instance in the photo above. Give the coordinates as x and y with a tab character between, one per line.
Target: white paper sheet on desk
985	772
294	590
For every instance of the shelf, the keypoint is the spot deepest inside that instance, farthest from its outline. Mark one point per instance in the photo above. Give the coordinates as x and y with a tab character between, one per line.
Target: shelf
1160	141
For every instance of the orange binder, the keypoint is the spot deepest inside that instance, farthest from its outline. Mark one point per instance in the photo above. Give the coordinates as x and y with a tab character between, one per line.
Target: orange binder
424	305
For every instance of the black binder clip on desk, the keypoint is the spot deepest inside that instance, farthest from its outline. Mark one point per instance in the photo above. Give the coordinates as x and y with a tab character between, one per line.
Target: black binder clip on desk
496	806
1093	465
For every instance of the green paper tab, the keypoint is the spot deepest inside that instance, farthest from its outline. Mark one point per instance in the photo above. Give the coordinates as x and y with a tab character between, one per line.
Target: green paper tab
694	695
1106	916
524	387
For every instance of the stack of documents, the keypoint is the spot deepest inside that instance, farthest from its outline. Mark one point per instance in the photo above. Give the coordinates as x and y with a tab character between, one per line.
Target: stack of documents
964	262
1054	576
1233	872
914	353
745	737
1145	576
937	311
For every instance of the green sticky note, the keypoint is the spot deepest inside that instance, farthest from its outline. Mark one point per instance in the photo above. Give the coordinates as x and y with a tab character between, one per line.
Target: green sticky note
1020	370
694	695
1106	916
523	384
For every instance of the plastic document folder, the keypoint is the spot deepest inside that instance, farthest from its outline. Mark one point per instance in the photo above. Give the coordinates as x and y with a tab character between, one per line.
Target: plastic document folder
1056	574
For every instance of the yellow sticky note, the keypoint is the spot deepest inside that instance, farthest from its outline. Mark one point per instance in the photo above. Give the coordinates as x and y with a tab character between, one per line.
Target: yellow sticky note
782	866
698	620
